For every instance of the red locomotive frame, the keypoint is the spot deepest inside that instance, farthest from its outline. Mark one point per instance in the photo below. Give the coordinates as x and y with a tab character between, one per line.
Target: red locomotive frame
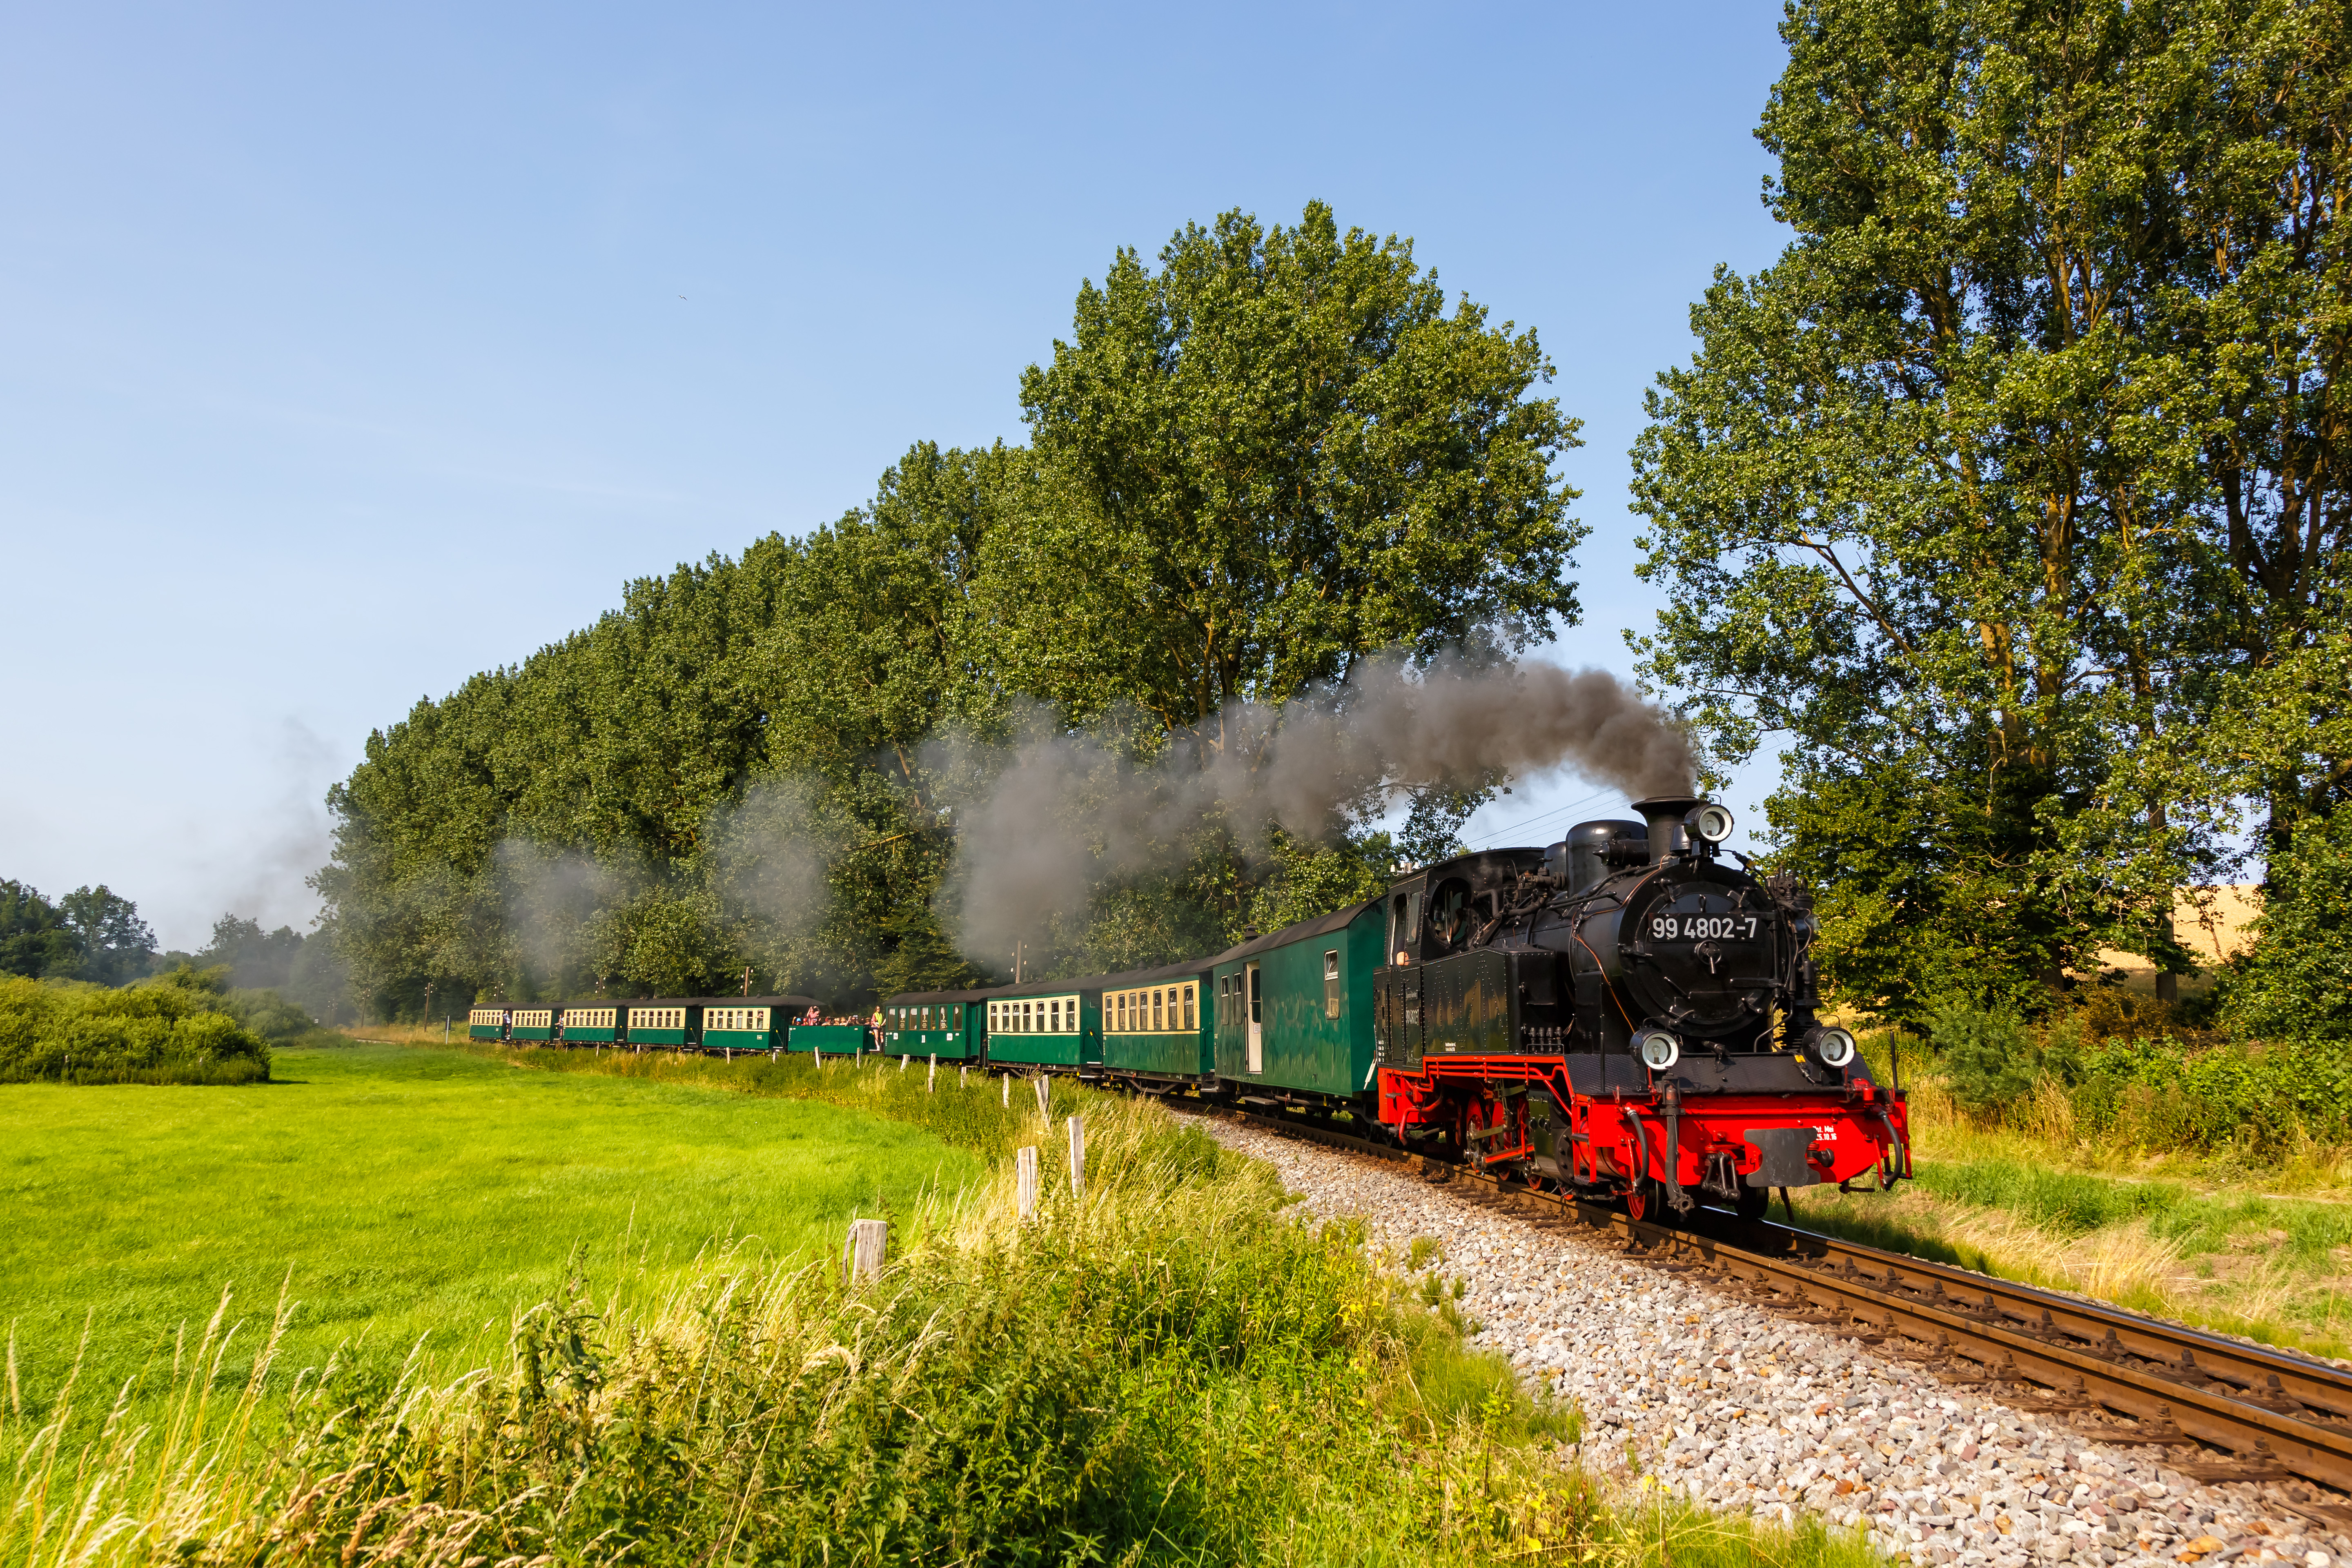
1618	1144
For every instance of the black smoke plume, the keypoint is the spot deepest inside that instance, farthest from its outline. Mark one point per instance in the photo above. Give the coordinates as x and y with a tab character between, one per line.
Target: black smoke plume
1065	813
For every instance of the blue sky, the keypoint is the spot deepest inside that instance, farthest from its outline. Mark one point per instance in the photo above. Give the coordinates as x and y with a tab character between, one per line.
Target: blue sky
346	351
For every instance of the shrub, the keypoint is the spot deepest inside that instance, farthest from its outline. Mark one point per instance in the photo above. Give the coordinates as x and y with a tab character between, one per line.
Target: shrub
1988	1058
268	1013
154	1032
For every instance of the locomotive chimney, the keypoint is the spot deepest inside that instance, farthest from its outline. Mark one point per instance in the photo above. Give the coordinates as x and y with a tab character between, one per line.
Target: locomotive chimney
1664	814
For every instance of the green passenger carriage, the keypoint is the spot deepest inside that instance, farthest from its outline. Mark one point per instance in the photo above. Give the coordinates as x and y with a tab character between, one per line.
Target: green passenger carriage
1158	1023
944	1024
1294	1008
486	1023
530	1025
1049	1023
749	1023
658	1021
589	1023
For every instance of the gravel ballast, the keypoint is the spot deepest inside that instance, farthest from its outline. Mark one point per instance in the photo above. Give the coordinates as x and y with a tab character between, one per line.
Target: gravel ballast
1743	1411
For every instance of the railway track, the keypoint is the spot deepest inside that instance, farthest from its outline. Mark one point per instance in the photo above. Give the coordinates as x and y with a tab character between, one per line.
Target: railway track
2253	1413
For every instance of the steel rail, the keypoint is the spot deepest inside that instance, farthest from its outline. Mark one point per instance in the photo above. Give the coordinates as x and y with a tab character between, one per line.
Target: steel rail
2275	1413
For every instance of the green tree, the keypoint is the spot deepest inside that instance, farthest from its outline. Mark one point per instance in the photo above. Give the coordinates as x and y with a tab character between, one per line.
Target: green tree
1272	455
34	939
1937	506
116	944
757	761
253	957
2296	982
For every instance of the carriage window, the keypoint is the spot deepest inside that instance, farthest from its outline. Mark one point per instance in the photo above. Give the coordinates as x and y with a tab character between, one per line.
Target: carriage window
1189	1024
1330	984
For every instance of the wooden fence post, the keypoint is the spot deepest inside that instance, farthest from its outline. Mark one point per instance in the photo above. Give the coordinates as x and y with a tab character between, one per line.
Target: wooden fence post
1006	1098
869	1240
902	1061
931	1079
1041	1092
1025	1176
820	1054
963	1077
1077	1154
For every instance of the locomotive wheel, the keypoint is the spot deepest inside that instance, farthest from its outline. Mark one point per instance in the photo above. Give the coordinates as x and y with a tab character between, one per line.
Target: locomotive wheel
1754	1201
1647	1200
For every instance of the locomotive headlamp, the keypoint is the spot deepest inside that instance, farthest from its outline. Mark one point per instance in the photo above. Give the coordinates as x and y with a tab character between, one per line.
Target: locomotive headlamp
1658	1049
1834	1047
1711	823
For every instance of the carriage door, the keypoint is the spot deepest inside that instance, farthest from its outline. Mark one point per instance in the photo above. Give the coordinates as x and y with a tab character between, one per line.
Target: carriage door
1257	1027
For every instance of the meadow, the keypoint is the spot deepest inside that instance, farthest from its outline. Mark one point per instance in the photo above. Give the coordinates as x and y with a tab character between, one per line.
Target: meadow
403	1197
2247	1232
1156	1369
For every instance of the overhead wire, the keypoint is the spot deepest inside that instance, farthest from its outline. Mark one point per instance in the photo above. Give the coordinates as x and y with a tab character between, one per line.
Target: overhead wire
1489	838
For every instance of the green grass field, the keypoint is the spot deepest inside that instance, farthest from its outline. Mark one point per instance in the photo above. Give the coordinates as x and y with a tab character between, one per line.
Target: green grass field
413	1194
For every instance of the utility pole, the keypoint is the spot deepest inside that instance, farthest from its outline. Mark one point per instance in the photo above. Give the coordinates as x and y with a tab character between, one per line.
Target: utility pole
747	980
1016	962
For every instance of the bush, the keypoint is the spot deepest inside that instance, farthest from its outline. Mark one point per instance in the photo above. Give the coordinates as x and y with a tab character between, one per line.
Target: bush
2153	1091
1988	1058
268	1013
2164	1093
162	1031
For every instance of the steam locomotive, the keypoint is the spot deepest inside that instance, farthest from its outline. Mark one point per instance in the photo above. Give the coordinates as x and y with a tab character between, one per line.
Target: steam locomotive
1624	1014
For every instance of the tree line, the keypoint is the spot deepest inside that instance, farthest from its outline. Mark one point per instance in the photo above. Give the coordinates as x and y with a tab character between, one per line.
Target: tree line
96	936
2008	505
1279	452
